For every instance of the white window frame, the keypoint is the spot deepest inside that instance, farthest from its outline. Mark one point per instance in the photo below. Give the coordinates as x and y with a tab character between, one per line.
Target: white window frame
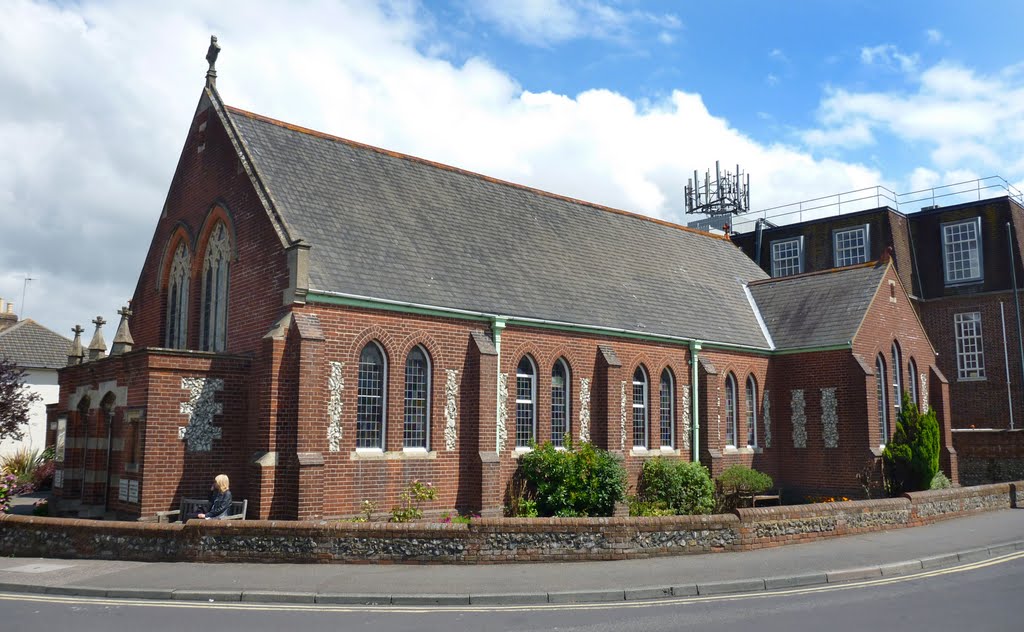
897	379
427	402
970	365
381	434
559	440
882	388
731	412
643	406
671	384
777	245
840	254
751	397
949	270
532	402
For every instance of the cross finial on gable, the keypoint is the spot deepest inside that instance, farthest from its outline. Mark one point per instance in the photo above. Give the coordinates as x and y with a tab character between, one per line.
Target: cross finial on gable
123	341
98	347
76	353
77	330
211	57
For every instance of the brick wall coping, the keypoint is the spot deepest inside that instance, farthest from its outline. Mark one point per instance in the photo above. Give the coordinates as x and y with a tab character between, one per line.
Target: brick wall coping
489	540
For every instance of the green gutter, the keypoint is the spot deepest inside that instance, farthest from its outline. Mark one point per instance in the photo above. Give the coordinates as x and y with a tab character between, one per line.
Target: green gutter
694	407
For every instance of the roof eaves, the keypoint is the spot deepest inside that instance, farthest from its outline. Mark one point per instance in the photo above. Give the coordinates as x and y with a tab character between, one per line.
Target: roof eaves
438	165
794	277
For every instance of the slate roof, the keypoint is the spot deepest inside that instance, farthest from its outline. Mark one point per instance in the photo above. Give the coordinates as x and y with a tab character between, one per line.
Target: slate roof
389	226
32	346
817	309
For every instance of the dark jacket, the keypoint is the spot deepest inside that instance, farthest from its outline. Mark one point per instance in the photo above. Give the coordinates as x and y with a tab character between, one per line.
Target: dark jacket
220	504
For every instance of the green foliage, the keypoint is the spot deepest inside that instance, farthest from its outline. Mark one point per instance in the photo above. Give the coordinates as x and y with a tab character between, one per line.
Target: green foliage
577	481
409	502
22	463
639	507
675	487
8	484
15	400
738	481
940	481
911	458
457	518
527	508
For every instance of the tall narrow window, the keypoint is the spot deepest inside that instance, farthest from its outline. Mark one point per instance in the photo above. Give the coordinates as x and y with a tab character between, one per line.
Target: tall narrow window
751	411
970	353
215	290
667	410
730	410
880	391
559	402
897	379
177	299
640	408
417	399
526	403
787	257
961	249
370	411
912	377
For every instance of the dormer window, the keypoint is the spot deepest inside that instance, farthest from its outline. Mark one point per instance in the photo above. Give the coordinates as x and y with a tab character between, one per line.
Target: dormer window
177	300
850	246
961	251
787	256
215	290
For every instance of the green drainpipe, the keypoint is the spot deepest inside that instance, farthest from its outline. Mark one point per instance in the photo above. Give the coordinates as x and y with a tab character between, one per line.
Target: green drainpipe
694	407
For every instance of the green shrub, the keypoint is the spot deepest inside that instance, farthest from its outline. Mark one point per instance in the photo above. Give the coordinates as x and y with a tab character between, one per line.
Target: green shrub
739	480
940	481
638	508
408	508
577	481
911	458
680	487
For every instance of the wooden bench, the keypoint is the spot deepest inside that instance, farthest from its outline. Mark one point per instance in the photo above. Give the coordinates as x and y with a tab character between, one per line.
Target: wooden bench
773	496
192	507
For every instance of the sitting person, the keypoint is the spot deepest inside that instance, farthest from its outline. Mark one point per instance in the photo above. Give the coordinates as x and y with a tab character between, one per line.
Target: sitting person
220	499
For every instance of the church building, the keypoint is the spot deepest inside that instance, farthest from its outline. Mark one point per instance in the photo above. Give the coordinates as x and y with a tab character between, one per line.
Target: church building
325	321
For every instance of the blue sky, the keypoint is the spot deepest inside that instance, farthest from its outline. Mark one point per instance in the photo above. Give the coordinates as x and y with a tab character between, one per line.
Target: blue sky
613	101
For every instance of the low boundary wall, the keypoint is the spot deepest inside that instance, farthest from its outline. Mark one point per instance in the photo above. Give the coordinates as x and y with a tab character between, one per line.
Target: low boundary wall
489	540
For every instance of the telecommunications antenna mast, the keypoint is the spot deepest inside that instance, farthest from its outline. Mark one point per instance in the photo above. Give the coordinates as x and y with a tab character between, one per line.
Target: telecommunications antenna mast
721	198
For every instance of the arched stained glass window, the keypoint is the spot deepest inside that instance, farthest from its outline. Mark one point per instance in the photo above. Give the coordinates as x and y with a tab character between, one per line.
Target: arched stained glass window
417	399
526	403
370	409
897	379
667	409
559	401
880	391
640	408
751	411
730	410
214	313
177	300
912	383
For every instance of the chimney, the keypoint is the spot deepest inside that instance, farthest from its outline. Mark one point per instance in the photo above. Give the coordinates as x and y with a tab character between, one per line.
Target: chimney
7	315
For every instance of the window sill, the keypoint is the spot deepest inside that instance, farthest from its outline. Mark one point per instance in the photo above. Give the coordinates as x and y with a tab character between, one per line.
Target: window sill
519	451
376	454
668	451
639	450
972	379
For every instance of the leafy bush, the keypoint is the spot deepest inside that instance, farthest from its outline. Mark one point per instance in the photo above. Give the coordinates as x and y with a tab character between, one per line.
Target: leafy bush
409	501
24	465
940	481
737	481
680	487
580	480
911	458
638	507
8	483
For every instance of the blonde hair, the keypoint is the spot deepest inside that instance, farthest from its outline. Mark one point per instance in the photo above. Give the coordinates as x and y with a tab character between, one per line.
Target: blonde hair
221	482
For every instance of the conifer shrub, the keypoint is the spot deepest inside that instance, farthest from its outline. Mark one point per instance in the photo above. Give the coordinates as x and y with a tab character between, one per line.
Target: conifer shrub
580	480
911	458
673	487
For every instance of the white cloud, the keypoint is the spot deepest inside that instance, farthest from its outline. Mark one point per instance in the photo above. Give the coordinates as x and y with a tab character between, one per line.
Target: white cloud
546	22
935	36
778	55
889	56
91	126
771	79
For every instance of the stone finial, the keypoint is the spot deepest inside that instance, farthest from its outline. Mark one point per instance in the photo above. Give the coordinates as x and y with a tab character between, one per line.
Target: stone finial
123	341
98	347
76	354
211	56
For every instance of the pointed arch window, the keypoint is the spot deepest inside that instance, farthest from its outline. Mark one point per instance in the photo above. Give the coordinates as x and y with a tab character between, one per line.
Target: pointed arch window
912	381
417	399
730	410
640	414
177	299
667	409
526	403
897	379
214	313
370	412
751	411
880	391
559	402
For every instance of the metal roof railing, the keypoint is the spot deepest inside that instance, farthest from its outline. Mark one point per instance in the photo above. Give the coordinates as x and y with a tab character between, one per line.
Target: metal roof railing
878	196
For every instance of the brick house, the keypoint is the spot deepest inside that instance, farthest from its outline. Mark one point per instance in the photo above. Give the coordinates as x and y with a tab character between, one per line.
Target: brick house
325	321
955	262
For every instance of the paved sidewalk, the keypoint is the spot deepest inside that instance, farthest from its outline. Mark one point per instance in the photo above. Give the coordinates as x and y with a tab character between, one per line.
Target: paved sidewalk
899	551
